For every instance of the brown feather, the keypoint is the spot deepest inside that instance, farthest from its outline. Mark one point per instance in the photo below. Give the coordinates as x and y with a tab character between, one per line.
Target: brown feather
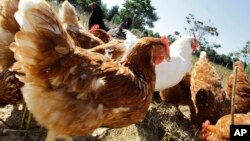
10	92
72	91
242	97
221	130
81	37
208	96
179	94
7	11
8	27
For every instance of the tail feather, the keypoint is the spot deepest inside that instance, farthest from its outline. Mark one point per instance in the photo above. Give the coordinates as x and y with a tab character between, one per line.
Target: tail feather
68	14
42	37
8	24
7	10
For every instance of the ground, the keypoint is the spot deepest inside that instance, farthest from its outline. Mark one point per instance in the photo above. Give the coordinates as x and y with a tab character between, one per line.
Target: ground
162	123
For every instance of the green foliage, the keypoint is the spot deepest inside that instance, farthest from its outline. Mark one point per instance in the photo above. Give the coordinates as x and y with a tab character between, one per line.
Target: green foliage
112	12
156	34
83	4
116	19
248	70
141	11
135	31
204	30
104	10
243	54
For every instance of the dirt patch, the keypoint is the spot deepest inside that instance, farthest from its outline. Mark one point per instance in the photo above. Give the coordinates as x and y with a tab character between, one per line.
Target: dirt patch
162	123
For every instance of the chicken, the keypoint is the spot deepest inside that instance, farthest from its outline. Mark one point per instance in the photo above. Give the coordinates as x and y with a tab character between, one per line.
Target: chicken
114	49
9	86
210	100
221	131
101	34
73	91
97	16
179	94
8	28
119	32
169	74
242	96
70	22
10	92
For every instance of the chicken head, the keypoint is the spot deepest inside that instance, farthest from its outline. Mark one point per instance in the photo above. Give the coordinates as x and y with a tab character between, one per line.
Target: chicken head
160	54
194	43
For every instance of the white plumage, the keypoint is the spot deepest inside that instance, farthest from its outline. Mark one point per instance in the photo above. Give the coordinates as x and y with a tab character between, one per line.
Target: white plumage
169	74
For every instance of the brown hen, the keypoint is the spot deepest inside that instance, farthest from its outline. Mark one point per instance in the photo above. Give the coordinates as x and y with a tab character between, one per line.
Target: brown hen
101	34
8	28
221	131
208	96
242	96
179	94
10	92
114	49
78	33
73	91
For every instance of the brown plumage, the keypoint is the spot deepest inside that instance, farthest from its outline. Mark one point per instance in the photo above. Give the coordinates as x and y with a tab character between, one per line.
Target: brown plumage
114	49
221	131
10	92
179	94
7	21
102	34
208	96
242	97
87	89
8	28
78	33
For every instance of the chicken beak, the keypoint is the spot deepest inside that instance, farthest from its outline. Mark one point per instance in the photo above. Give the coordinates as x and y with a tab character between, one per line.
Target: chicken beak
167	57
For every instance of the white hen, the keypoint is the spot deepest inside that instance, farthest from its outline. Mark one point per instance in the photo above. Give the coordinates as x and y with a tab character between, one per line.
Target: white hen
169	74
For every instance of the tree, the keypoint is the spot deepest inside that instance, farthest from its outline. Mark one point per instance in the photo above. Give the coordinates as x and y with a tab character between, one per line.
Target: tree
84	5
116	19
244	53
141	11
248	70
104	10
203	30
151	33
173	37
112	12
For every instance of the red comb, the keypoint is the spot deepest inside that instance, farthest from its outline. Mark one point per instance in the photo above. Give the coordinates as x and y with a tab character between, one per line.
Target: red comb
93	28
194	36
205	124
164	39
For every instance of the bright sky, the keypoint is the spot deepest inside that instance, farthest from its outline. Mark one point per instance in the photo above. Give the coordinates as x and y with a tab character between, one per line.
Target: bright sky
231	17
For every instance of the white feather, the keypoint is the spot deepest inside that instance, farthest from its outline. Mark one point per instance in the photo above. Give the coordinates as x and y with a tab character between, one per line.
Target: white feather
203	54
23	6
169	74
130	41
